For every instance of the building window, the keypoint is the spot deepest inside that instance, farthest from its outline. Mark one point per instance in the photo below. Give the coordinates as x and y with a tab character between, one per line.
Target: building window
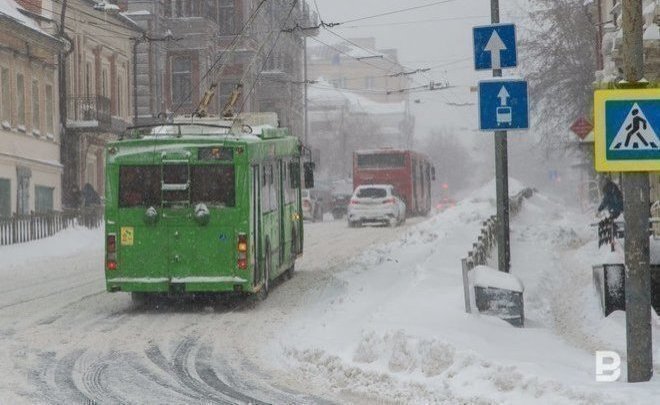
5	99
20	99
178	8
5	198
369	82
104	83
167	4
36	113
50	126
225	16
23	175
43	199
181	81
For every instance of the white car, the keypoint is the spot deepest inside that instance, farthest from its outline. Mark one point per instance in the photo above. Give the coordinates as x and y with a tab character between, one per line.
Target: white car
376	203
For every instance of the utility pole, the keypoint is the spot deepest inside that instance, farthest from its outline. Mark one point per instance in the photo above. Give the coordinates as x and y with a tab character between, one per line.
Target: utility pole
305	119
636	217
501	176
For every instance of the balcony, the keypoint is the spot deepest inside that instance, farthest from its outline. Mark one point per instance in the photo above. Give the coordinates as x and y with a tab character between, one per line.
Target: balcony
91	113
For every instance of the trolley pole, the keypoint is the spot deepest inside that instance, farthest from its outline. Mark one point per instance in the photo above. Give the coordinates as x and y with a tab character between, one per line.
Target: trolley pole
501	176
636	217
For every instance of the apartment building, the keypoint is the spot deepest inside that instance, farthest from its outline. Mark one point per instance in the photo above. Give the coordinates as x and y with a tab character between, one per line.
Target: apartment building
191	45
30	168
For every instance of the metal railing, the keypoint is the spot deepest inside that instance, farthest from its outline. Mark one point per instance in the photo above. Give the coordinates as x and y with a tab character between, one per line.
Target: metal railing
26	228
487	240
92	108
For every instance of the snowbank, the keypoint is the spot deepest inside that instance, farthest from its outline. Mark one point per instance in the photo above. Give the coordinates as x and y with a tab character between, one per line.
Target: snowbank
391	326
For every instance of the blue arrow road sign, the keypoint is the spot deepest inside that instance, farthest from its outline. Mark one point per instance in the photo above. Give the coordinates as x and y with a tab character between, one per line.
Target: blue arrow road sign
503	105
495	46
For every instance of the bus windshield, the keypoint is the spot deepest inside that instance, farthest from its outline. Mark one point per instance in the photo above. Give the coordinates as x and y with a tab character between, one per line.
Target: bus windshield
381	160
141	186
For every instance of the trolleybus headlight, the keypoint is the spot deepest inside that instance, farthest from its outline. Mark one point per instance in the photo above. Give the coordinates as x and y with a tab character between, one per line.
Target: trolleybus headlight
151	216
202	214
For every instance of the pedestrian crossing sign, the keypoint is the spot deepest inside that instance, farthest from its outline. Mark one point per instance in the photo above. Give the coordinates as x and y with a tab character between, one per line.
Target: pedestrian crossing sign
627	130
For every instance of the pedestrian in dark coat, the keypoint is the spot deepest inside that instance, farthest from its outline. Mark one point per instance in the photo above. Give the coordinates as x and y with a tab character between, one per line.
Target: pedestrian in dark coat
612	198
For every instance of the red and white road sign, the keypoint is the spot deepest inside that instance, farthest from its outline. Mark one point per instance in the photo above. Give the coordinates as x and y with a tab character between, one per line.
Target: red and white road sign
582	127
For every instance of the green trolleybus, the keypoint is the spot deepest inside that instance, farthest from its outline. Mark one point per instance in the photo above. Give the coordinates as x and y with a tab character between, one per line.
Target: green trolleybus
198	207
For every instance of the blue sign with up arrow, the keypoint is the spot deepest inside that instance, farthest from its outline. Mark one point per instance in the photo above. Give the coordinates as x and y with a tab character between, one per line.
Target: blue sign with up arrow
503	104
495	46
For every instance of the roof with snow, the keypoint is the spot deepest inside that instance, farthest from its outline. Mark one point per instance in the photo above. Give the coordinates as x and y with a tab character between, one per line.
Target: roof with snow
324	93
11	10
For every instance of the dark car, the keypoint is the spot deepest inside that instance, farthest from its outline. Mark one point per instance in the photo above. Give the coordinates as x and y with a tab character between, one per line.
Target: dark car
339	205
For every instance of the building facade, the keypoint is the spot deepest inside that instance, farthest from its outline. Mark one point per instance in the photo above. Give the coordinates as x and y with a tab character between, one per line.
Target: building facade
356	102
610	33
30	168
97	88
192	45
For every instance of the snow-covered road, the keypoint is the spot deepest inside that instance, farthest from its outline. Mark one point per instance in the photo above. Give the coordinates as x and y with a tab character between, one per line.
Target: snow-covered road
372	315
63	339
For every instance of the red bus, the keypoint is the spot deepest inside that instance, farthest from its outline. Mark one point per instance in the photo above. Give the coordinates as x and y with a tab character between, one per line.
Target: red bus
409	172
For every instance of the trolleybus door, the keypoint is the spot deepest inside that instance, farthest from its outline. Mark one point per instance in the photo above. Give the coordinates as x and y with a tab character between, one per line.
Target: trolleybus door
255	223
202	241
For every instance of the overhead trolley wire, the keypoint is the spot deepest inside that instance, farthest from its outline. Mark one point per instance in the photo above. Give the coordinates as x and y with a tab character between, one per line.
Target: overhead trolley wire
397	11
232	45
277	38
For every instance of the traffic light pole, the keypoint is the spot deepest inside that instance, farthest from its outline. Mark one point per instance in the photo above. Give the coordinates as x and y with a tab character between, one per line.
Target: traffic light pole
501	176
636	217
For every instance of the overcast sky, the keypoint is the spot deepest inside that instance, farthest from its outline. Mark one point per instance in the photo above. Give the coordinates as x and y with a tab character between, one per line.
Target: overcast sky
439	36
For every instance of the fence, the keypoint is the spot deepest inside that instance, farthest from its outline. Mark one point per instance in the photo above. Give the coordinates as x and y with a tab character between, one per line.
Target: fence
25	228
487	239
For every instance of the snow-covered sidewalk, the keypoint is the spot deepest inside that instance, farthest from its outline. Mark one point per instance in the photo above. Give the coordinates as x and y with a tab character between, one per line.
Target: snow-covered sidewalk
392	326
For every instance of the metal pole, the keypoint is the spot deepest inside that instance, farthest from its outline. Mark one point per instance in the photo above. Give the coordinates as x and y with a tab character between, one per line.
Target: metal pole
305	81
636	217
501	176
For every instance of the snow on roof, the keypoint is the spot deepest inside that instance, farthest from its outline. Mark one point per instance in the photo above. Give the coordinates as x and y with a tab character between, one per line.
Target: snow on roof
484	276
324	92
137	12
10	9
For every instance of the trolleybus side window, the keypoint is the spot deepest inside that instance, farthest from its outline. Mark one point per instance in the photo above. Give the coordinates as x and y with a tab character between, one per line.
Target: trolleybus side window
139	186
213	185
266	185
289	190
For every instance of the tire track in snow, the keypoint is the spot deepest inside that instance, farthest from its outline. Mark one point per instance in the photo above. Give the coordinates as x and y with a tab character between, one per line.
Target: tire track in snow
178	368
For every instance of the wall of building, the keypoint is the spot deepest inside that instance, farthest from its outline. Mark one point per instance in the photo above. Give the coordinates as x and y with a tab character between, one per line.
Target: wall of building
29	128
